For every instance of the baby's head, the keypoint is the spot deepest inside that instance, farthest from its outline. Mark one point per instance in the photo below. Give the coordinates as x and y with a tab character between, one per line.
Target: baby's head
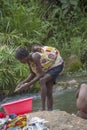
36	48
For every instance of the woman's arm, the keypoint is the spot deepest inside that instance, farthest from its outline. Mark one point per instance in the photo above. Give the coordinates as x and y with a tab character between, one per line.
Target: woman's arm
36	59
30	77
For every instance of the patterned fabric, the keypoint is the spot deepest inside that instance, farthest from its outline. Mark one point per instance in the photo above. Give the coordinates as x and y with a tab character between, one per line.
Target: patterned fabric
19	121
50	57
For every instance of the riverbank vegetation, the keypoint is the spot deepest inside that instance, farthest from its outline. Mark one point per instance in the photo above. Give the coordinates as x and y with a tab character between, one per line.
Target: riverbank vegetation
58	23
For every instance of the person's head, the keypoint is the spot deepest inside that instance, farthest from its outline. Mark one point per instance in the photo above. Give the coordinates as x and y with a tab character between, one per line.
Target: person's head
36	48
22	55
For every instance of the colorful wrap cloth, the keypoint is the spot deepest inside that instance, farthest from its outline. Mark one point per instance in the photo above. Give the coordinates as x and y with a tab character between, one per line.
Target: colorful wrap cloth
19	121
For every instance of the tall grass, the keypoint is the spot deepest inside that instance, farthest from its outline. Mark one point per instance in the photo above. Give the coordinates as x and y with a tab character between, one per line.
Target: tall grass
24	23
10	69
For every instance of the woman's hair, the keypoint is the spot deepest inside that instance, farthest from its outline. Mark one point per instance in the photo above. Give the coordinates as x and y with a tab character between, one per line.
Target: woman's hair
21	53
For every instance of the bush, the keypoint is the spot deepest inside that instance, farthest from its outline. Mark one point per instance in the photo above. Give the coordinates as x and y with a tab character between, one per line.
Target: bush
73	64
11	72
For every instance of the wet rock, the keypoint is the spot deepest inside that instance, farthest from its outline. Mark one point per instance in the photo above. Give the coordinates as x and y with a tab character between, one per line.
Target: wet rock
61	120
67	84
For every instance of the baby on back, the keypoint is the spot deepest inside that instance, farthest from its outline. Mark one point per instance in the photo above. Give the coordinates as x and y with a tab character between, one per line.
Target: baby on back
45	49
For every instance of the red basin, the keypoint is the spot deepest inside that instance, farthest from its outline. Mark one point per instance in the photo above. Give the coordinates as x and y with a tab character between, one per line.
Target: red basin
18	107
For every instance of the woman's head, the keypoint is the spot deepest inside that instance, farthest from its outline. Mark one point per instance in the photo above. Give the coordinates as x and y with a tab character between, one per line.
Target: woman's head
22	54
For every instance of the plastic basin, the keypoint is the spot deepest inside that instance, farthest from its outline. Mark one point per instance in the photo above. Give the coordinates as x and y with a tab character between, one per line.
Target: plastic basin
18	107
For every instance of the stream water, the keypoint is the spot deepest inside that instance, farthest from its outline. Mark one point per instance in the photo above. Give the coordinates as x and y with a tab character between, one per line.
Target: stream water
63	100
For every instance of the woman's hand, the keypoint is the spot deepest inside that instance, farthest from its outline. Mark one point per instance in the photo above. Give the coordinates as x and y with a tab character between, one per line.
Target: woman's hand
21	86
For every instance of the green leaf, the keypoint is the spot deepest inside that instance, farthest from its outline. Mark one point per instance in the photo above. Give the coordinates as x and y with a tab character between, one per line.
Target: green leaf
63	1
65	6
74	2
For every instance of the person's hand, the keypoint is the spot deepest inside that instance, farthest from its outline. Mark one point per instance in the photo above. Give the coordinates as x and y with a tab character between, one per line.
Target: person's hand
18	86
21	87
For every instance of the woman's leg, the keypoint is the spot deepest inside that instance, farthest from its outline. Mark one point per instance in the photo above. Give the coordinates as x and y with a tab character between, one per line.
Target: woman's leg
43	85
50	95
46	90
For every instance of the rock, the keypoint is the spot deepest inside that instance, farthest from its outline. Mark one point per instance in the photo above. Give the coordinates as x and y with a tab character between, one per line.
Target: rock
60	120
67	84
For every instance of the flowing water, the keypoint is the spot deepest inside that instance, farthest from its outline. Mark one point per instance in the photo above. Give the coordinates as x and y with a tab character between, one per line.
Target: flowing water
63	100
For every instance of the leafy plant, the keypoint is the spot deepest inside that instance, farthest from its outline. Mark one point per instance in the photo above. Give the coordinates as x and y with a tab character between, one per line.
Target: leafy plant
24	23
69	5
10	71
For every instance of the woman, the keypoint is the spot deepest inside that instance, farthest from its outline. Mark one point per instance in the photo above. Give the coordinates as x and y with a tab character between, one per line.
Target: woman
44	67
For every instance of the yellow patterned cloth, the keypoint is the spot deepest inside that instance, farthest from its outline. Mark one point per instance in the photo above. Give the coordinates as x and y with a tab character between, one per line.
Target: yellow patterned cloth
50	57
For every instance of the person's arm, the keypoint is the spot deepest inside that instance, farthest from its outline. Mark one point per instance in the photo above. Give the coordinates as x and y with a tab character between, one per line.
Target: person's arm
30	77
36	59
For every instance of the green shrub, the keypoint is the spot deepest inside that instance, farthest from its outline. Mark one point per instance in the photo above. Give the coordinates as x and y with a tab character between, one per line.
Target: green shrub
11	71
73	64
83	56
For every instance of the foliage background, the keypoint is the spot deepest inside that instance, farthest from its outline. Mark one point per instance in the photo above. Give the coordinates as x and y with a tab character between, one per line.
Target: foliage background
59	23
